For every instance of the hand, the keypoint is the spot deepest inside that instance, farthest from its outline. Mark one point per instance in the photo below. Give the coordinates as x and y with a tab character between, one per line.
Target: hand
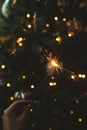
15	116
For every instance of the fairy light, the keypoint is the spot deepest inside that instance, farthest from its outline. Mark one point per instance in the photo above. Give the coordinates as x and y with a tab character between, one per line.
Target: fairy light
24	76
80	120
11	98
71	112
31	110
59	39
77	101
64	19
8	85
70	34
56	18
20	39
32	86
3	66
20	44
29	25
28	15
73	77
47	25
83	76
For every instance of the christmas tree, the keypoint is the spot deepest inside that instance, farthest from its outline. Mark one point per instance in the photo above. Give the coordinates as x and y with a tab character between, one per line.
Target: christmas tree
43	58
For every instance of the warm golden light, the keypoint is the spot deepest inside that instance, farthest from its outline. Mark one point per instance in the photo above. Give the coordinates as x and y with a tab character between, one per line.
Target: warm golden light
29	25
28	15
64	19
8	85
71	112
20	39
77	101
83	76
31	110
3	66
56	18
11	98
24	77
47	25
72	76
59	39
80	119
52	77
32	86
70	34
20	44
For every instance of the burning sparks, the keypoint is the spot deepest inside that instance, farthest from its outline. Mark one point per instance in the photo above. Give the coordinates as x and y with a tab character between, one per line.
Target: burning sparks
53	64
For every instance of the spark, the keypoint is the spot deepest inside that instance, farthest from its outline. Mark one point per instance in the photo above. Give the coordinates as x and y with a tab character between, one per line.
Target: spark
53	64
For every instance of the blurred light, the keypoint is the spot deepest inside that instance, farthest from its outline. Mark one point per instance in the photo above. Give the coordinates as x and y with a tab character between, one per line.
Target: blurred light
3	66
52	77
80	119
72	76
76	101
28	15
29	25
51	84
20	44
8	85
24	77
83	75
31	110
54	83
71	112
56	18
47	25
59	39
33	125
70	34
79	75
19	39
64	19
11	98
32	86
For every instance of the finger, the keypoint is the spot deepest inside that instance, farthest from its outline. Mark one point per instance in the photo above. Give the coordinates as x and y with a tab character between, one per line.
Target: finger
16	106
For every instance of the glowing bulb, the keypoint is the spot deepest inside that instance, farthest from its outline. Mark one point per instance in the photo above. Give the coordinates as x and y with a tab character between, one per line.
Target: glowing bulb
83	75
20	44
31	110
19	39
28	15
47	25
72	77
11	98
29	25
59	39
3	66
71	112
64	19
80	119
70	34
79	75
50	84
32	86
8	85
77	101
56	18
24	77
52	77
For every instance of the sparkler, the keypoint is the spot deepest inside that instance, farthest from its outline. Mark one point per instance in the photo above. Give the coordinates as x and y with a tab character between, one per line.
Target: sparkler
55	65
